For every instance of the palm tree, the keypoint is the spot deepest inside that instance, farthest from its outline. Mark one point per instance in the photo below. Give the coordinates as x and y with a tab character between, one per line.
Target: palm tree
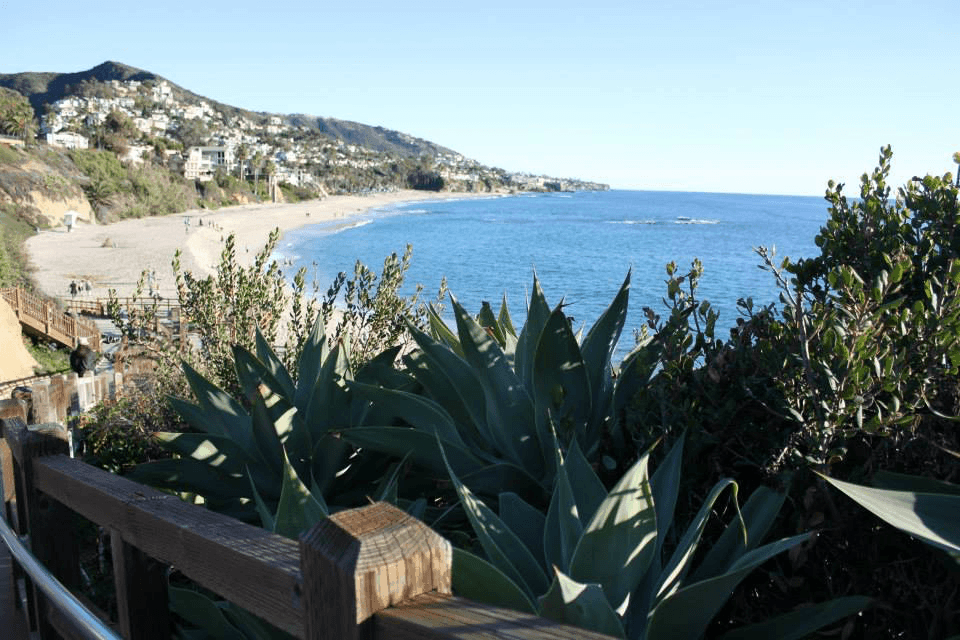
257	162
241	157
956	158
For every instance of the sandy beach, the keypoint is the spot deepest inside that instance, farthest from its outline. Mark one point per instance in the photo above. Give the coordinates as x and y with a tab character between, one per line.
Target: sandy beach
113	256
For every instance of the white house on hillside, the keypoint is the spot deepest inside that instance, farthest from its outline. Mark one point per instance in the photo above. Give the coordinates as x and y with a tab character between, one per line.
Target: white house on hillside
203	162
67	140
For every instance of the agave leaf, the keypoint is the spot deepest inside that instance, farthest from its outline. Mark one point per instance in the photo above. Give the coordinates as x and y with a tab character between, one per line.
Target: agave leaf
441	332
328	402
537	313
328	459
505	320
422	447
387	488
510	417
444	372
216	451
487	320
917	484
223	412
588	490
932	517
665	485
279	372
268	431
420	413
617	547
676	570
493	479
598	348
308	368
758	513
381	370
476	579
686	613
801	622
257	379
417	509
202	612
583	605
195	416
187	474
267	519
526	521
298	509
504	549
635	371
561	386
564	527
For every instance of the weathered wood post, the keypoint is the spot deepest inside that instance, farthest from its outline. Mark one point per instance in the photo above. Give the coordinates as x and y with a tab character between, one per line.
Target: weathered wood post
361	561
143	610
47	521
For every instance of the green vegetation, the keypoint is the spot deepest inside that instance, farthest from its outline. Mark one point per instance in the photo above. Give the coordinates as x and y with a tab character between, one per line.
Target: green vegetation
16	115
50	358
118	192
14	230
531	450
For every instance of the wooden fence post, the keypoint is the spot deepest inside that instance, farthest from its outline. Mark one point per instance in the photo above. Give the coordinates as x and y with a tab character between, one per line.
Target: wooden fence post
360	561
47	521
143	610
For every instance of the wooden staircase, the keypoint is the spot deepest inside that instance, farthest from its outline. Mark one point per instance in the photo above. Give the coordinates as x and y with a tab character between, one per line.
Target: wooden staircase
43	317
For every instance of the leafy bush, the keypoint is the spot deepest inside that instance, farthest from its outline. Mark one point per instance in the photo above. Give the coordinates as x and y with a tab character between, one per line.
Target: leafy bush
116	191
14	230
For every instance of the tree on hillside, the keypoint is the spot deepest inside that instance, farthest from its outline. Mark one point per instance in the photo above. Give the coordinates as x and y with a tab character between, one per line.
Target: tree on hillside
257	163
16	115
241	154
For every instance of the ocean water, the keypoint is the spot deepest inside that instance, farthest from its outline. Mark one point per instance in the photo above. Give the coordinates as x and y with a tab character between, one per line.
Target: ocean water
581	246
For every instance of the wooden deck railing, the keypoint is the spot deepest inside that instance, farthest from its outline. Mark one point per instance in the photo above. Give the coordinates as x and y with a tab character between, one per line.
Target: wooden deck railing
42	316
99	306
373	572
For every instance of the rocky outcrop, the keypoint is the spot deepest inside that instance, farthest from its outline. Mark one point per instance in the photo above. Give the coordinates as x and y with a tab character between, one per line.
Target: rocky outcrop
43	191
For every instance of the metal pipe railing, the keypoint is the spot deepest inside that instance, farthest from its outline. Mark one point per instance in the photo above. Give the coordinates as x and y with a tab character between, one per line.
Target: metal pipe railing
92	626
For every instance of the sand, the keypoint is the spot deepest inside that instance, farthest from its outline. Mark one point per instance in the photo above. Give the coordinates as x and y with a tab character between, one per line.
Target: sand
59	257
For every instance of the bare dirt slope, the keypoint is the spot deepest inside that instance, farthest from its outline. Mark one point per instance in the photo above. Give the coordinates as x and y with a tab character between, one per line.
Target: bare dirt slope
15	361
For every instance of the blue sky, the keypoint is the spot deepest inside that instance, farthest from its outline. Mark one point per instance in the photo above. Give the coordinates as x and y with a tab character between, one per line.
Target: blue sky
755	97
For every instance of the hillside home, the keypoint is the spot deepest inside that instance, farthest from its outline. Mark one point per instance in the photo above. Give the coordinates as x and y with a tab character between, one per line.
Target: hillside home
67	140
203	162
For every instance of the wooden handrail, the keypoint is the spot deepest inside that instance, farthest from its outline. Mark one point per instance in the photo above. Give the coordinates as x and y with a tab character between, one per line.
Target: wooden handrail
391	573
41	315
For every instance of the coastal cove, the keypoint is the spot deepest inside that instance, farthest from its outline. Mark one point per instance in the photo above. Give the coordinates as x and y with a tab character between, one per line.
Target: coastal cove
581	246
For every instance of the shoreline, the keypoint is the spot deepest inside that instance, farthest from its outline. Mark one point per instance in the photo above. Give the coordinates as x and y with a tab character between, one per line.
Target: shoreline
148	244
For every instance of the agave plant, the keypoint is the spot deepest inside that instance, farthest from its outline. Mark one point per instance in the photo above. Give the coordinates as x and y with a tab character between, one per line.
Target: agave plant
492	397
269	454
922	507
597	559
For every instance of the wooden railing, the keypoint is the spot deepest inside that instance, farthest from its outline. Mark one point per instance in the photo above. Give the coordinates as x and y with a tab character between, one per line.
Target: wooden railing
371	573
42	316
99	306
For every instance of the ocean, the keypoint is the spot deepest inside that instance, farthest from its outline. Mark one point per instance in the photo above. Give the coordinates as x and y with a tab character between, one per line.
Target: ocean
581	246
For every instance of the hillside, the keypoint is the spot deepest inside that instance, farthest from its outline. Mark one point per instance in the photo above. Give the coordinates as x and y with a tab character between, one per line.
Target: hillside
46	88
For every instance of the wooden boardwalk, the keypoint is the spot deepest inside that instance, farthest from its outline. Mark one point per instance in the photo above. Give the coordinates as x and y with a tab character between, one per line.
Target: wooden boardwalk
41	316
